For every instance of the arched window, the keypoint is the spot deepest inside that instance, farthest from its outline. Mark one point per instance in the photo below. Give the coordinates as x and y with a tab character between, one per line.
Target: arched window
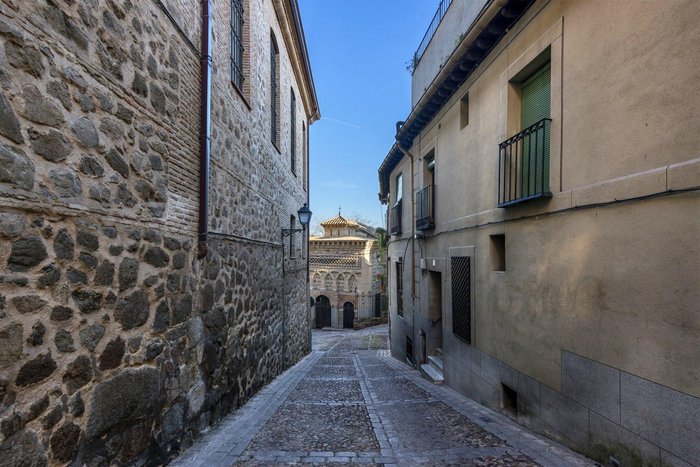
340	283
316	283
352	284
274	91
328	282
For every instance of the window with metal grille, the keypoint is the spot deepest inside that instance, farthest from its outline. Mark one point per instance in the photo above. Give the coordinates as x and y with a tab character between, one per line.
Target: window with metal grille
461	298
274	91
399	287
237	48
293	145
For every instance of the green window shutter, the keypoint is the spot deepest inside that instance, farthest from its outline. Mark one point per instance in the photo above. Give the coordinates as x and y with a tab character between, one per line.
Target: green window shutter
536	104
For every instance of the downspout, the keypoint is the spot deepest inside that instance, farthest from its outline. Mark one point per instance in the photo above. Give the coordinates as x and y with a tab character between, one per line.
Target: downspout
204	130
413	223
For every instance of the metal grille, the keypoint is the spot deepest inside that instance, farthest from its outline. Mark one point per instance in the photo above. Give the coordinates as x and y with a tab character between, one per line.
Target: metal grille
396	218
461	298
237	43
437	19
425	219
523	165
293	147
409	349
274	64
399	288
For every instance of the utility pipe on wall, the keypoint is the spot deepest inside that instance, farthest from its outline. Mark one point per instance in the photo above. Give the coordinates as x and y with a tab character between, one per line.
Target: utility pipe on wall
205	129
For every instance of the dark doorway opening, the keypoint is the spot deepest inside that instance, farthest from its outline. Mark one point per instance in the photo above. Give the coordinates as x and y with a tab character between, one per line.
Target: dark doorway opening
323	312
348	314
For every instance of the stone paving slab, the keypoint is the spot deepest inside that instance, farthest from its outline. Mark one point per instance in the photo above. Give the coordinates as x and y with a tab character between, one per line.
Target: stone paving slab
348	404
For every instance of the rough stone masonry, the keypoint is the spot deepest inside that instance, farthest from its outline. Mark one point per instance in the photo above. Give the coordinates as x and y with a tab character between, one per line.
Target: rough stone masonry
117	345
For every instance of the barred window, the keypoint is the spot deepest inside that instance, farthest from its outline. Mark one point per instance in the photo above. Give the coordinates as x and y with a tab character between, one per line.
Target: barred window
399	287
461	298
274	91
237	43
293	145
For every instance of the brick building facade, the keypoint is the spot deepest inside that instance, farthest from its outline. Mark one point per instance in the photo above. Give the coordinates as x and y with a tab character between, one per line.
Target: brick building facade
117	343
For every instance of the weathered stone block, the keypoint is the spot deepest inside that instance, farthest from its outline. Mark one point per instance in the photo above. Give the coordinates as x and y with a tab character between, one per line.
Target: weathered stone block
61	313
91	336
91	166
39	109
156	257
24	448
10	344
610	439
49	276
565	415
9	125
85	131
64	442
25	57
28	303
63	245
36	370
16	168
132	394
53	417
64	341
37	336
133	311
104	274
26	253
128	273
12	224
592	384
112	355
88	301
88	240
52	146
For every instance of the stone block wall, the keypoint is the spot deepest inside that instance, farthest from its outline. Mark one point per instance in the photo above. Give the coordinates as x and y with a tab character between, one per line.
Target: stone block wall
117	345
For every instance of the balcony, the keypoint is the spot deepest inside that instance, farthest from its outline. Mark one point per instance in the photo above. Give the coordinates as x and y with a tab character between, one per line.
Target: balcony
523	165
396	217
425	208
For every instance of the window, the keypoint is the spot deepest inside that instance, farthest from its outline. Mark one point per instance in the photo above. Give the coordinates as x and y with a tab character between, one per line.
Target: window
274	91
461	298
396	210
399	187
524	159
464	111
340	283
498	252
292	243
293	136
399	287
352	284
237	48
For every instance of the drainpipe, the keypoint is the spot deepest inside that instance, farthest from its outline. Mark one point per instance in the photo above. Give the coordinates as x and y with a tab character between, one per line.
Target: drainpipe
205	130
413	223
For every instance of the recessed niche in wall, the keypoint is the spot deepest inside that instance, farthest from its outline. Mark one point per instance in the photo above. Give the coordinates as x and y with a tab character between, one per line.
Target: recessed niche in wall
509	398
498	252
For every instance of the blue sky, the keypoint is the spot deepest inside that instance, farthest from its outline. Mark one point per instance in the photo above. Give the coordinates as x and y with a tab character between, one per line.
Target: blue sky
358	51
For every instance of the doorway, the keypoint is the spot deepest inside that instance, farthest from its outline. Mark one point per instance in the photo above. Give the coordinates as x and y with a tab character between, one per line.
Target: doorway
348	315
323	312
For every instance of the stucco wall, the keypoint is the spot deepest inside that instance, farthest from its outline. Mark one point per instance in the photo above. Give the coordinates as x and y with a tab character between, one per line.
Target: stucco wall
606	269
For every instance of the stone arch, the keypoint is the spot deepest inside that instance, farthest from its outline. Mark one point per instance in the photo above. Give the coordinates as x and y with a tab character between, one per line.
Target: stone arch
328	282
340	282
316	282
352	283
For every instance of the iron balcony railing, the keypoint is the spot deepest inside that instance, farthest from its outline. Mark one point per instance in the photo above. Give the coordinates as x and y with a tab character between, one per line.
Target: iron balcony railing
396	217
523	165
439	14
425	208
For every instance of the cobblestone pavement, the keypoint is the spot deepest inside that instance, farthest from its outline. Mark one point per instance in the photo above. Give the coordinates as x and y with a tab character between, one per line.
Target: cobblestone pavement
349	403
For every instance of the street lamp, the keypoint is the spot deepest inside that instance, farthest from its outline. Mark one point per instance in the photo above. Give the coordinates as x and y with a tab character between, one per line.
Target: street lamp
304	216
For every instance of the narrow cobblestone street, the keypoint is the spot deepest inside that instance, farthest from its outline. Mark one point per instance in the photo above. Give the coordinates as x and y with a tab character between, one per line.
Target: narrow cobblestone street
350	403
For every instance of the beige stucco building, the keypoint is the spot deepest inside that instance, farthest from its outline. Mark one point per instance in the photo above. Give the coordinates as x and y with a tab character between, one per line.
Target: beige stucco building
544	197
344	273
